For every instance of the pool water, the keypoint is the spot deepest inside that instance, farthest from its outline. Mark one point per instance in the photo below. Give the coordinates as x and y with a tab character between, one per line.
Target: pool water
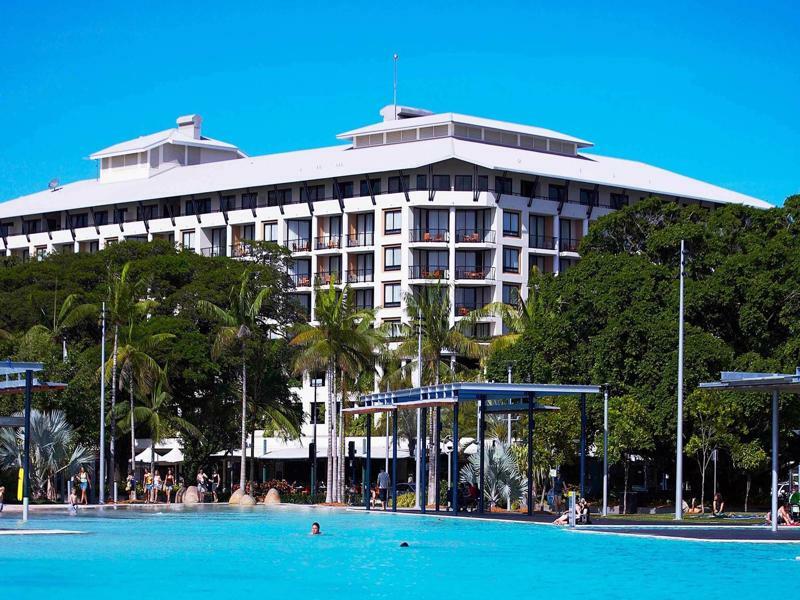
221	551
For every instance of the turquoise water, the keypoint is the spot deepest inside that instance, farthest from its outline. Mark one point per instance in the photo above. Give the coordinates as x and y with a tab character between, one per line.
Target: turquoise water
223	551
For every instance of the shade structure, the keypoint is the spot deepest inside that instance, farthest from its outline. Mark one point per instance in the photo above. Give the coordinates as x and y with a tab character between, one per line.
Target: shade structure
148	456
173	457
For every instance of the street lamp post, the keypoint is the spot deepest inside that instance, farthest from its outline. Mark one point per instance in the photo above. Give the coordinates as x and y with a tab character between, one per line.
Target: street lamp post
102	478
679	433
605	450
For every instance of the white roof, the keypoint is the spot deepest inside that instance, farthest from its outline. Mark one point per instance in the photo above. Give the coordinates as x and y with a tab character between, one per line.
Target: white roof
442	118
172	457
148	456
173	135
342	161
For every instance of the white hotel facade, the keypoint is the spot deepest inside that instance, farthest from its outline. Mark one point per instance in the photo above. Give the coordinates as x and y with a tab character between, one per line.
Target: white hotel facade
416	198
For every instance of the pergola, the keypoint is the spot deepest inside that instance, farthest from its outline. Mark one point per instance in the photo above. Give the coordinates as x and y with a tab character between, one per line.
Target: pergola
24	383
771	383
492	398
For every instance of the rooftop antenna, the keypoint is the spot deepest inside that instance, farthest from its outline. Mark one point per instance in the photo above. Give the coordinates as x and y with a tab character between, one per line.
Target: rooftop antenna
53	185
394	99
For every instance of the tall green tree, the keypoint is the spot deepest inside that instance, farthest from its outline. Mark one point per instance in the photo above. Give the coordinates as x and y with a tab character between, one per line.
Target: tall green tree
629	436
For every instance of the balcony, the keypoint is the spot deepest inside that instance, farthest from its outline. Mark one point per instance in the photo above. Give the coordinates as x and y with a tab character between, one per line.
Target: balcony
474	273
462	309
431	272
213	251
568	245
326	277
300	279
360	276
328	242
240	251
474	236
299	245
360	240
542	242
429	235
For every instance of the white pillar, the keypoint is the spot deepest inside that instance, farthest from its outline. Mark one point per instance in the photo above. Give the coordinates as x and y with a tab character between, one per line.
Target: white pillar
774	504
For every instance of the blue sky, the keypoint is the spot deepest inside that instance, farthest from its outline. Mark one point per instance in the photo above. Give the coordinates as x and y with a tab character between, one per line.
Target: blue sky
710	90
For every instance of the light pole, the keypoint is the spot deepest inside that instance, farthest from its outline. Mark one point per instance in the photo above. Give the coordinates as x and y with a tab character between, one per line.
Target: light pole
102	485
508	496
418	466
679	432
605	450
315	383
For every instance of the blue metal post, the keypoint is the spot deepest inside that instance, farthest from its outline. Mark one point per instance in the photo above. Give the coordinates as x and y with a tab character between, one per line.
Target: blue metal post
583	445
394	461
531	398
367	480
454	482
26	459
435	462
423	478
481	435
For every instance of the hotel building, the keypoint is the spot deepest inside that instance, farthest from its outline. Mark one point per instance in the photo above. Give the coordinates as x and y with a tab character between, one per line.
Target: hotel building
416	198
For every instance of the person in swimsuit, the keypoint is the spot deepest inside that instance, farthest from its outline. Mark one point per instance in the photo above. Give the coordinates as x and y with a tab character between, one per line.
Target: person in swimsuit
73	501
718	506
201	485
130	486
169	483
148	486
83	481
215	484
156	485
315	529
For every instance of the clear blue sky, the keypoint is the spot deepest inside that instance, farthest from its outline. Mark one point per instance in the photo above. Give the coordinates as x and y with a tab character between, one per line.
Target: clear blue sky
708	89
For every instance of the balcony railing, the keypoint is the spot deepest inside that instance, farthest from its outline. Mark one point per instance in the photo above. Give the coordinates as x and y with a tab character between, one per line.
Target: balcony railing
429	235
301	279
326	277
429	272
541	241
240	251
475	273
357	240
462	309
474	236
568	245
299	244
213	251
328	242
360	276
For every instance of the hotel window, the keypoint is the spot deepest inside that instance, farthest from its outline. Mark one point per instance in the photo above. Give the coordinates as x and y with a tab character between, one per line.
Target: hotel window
93	247
5	229
483	183
81	220
111	241
463	183
345	189
145	213
54	223
227	203
40	252
511	223
619	200
527	189
279	197
510	260
376	187
510	294
441	183
199	206
120	215
422	182
29	227
187	240
312	193
364	299
398	184
101	218
249	200
248	233
271	232
503	185
391	258
391	295
588	197
392	221
557	193
393	327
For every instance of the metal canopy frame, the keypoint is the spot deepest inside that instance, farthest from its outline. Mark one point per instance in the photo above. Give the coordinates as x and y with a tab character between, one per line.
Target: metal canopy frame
761	383
520	397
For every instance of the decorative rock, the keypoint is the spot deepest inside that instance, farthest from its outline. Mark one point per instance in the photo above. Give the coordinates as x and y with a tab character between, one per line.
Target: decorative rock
190	495
236	496
247	500
272	497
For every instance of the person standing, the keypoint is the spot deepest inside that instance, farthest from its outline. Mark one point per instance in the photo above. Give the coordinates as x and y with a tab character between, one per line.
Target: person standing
201	485
83	481
130	486
383	487
215	484
156	485
148	486
169	483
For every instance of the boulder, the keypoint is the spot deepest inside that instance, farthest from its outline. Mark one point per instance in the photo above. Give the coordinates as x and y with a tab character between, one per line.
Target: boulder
272	497
235	496
190	495
247	500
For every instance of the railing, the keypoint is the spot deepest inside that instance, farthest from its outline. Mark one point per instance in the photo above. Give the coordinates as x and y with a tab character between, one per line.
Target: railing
462	309
474	236
299	245
360	276
475	273
213	251
328	242
429	272
429	235
301	279
240	251
568	245
542	241
356	240
326	277
480	331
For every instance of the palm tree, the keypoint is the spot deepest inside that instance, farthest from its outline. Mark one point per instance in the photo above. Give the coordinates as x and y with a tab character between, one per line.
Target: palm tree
343	341
236	324
502	478
67	316
430	309
54	450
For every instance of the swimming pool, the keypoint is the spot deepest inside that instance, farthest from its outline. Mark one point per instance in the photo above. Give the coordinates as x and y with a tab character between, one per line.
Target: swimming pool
221	551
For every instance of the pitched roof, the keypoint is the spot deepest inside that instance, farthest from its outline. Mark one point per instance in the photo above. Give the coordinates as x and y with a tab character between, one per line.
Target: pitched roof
145	142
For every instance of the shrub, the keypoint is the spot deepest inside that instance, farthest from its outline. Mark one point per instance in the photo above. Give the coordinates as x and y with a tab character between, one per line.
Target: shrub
406	500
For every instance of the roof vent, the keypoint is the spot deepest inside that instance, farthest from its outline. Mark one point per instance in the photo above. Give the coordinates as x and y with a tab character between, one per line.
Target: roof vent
390	112
189	126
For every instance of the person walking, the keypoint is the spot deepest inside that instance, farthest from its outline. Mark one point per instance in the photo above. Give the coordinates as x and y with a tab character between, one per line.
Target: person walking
83	481
148	486
201	485
156	485
130	486
383	487
215	484
169	483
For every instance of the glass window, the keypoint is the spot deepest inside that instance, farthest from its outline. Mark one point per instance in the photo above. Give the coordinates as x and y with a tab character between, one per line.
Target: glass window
510	260
510	294
187	240
441	183
101	218
393	328
511	223
80	220
279	197
249	200
121	215
483	183
364	299
271	232
376	187
502	185
398	184
392	221
312	193
422	182
527	189
463	183
391	294
346	189
619	200
391	258
588	197
557	193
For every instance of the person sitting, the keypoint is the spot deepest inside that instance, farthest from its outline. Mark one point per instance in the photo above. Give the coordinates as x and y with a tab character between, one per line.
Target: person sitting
583	513
794	502
718	506
693	509
564	518
784	518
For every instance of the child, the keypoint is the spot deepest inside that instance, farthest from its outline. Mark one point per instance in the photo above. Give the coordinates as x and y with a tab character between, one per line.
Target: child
73	502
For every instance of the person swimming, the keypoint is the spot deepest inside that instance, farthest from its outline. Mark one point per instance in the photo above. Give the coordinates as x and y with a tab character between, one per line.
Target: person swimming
315	529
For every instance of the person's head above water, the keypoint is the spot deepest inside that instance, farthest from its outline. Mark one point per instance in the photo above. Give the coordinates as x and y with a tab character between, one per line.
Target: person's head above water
315	528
